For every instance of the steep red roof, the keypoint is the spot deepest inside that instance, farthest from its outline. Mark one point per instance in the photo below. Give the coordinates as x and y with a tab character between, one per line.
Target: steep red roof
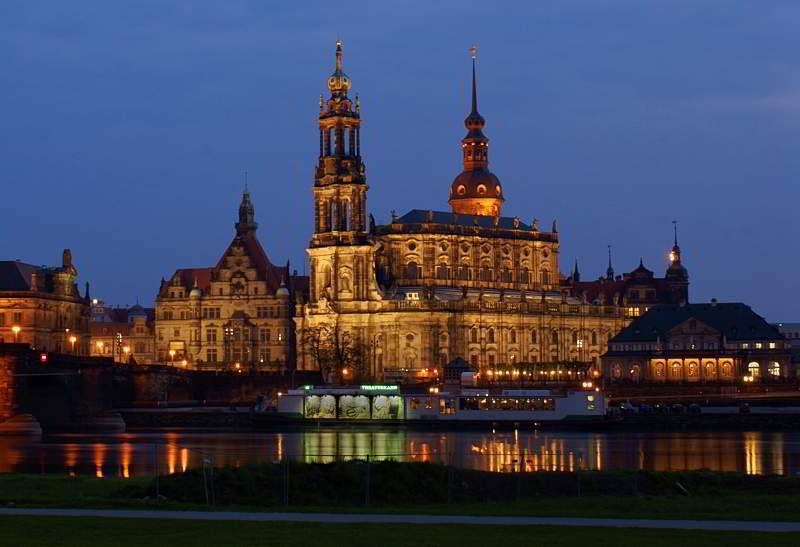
265	270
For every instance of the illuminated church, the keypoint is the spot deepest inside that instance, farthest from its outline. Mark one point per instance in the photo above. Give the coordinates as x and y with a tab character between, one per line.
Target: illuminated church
433	286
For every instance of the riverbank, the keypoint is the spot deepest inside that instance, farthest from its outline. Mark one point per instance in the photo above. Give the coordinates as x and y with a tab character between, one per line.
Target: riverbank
395	488
241	418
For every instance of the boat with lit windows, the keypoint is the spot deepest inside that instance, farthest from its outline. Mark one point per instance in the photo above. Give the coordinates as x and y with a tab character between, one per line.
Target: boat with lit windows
387	404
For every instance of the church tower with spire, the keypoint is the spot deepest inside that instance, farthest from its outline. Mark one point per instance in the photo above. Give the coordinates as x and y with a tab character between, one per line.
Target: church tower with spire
677	276
339	250
476	190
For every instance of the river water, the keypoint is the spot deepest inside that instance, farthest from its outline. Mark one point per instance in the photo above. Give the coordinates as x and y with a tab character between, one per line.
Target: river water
138	454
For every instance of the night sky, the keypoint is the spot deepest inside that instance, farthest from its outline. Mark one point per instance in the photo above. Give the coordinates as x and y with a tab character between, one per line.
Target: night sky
127	128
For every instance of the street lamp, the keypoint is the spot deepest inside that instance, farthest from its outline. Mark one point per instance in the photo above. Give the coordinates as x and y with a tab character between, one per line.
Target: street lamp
72	340
172	355
126	350
15	329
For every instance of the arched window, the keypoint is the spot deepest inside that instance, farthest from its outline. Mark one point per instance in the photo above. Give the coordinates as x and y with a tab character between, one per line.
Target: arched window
474	335
490	336
523	276
411	270
677	369
545	277
441	271
334	216
774	369
753	369
512	336
344	223
533	336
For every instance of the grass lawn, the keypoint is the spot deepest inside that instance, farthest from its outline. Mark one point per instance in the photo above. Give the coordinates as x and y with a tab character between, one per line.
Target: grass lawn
36	531
89	492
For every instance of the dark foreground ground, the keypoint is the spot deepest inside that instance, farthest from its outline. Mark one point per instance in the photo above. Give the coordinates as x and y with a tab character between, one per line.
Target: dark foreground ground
80	531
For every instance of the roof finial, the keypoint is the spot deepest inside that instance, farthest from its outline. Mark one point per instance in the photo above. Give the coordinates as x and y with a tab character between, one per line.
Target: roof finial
338	55
610	270
576	275
675	228
473	51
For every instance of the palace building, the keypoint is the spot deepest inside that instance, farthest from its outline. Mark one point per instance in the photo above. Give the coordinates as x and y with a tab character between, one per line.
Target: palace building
41	306
236	315
433	286
716	342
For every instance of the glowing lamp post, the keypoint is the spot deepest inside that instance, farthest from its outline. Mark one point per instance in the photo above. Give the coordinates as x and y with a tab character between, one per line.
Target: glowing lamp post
171	355
15	329
72	340
126	350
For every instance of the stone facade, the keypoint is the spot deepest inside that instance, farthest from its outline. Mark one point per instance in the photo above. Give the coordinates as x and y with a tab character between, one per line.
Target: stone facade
433	286
236	315
41	306
716	343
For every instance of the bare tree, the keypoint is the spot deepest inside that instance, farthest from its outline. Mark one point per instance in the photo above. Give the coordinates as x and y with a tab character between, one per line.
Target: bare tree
338	353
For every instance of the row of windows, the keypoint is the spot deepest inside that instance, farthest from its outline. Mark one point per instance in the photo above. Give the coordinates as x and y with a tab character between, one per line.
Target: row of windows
466	273
215	313
220	292
238	355
692	345
507	403
512	337
232	334
16	318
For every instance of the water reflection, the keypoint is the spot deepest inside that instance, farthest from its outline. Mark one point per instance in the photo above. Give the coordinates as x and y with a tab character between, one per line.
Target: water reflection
131	455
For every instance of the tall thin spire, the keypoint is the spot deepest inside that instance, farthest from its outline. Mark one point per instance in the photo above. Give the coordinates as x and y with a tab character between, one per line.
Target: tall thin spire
474	52
675	228
610	270
339	61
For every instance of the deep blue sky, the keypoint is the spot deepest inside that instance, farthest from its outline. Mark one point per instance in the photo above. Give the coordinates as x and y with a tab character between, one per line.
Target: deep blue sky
126	128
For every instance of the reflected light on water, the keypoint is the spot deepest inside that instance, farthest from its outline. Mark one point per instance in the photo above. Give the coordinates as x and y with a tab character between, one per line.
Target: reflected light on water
126	455
99	458
131	455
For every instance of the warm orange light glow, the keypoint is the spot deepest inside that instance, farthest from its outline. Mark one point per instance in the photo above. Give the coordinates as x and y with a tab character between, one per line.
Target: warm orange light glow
126	349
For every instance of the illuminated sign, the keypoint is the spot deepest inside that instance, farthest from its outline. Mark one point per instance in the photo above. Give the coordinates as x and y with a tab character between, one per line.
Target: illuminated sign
376	387
43	357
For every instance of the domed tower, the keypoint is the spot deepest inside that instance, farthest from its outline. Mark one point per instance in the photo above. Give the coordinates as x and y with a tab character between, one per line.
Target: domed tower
677	276
476	191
